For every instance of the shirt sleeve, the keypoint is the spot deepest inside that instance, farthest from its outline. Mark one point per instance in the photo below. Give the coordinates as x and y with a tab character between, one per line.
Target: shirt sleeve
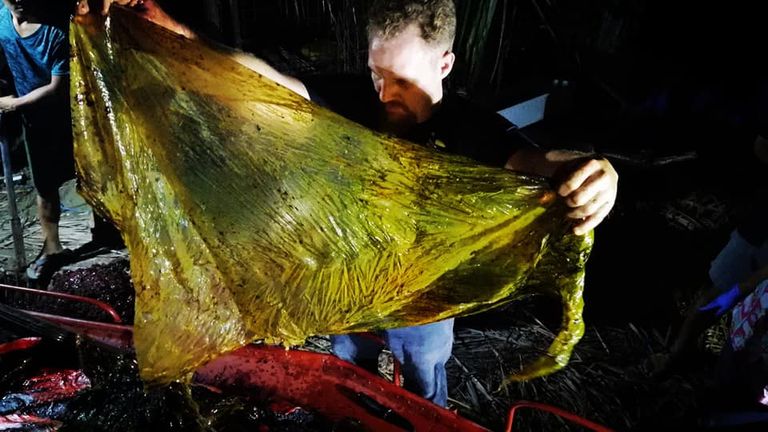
481	135
347	95
60	55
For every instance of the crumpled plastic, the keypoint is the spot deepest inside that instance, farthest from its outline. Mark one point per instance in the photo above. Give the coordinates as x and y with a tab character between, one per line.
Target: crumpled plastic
252	214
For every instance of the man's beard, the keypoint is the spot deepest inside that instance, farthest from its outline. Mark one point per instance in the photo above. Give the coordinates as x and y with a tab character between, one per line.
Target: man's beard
397	118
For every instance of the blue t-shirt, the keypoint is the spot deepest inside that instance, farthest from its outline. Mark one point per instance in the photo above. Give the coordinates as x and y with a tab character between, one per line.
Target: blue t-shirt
35	58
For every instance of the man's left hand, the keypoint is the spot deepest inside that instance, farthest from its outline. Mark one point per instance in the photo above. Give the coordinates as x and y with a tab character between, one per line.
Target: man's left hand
7	104
590	190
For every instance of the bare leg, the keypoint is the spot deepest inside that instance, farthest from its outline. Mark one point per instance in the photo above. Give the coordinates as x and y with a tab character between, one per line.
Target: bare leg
49	213
696	322
686	342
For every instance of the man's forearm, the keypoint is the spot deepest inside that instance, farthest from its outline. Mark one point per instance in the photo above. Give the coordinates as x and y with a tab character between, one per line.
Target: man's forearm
260	66
36	96
156	14
543	163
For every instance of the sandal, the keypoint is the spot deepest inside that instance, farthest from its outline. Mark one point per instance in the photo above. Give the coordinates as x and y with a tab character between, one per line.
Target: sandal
44	266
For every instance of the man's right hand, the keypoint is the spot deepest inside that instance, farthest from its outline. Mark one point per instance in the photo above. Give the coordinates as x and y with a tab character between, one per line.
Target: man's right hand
129	3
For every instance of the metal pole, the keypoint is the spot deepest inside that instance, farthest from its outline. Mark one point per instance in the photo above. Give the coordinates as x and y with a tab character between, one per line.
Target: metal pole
18	237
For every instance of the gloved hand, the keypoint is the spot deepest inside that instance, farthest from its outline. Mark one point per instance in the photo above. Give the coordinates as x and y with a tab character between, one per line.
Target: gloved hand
724	302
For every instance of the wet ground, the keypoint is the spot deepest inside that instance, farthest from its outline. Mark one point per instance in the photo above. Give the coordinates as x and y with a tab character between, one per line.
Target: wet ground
74	228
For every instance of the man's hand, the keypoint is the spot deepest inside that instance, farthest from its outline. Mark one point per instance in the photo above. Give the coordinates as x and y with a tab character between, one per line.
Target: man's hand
129	3
83	8
7	104
590	190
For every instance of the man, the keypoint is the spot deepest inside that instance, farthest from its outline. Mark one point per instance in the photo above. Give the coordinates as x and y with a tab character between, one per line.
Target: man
410	54
37	51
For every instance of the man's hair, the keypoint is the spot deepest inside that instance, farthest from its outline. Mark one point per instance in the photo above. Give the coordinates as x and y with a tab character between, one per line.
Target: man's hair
435	18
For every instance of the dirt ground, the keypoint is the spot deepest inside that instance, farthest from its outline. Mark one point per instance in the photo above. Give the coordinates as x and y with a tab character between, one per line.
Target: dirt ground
74	228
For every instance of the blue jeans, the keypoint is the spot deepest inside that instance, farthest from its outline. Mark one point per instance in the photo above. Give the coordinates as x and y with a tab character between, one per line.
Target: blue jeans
422	351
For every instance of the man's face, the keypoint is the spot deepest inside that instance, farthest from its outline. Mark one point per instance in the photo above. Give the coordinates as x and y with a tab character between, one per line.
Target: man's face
408	74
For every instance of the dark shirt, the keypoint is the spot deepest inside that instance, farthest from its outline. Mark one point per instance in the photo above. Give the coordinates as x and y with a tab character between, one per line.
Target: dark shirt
454	128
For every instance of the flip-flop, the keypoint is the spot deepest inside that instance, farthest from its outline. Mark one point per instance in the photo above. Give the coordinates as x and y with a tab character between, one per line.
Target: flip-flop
44	266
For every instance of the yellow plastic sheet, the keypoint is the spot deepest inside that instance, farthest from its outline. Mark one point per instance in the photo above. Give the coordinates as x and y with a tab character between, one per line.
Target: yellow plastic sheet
251	213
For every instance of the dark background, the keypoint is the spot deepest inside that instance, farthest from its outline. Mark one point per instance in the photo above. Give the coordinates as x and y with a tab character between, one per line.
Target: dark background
671	92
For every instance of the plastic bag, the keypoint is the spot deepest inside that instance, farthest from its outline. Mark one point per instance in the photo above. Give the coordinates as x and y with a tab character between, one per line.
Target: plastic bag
250	213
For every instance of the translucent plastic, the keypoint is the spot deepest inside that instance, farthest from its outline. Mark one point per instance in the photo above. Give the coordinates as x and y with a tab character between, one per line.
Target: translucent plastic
251	213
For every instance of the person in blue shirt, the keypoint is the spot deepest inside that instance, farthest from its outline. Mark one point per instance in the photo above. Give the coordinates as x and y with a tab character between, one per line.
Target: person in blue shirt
36	47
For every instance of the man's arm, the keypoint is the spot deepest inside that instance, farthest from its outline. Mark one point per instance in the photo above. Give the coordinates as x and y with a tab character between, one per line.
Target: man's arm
58	84
588	184
260	66
108	3
251	62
